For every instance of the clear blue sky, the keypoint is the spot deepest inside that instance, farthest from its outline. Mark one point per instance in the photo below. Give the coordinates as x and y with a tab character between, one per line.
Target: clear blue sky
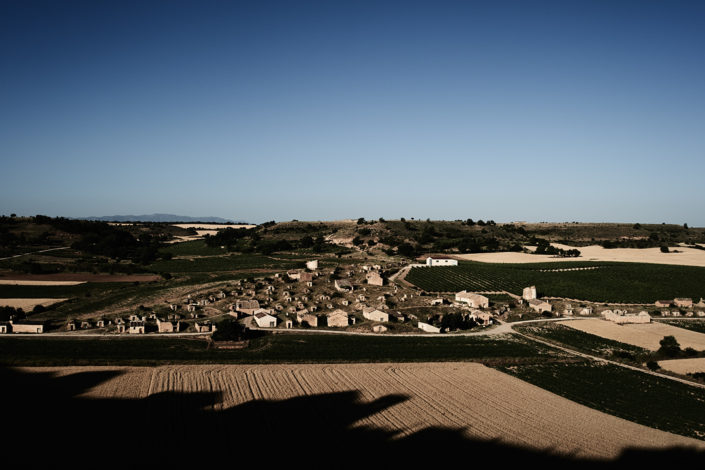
537	111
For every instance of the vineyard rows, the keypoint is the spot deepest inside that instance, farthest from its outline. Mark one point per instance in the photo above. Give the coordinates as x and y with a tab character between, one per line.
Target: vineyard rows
613	282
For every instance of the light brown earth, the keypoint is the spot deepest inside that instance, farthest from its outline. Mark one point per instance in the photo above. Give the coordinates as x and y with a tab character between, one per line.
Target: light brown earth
684	366
645	335
199	235
78	278
686	257
483	402
28	304
213	226
19	282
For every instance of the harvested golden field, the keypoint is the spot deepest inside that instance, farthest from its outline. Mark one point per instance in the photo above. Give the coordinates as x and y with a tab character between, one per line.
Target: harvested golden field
684	366
645	335
388	401
685	256
28	304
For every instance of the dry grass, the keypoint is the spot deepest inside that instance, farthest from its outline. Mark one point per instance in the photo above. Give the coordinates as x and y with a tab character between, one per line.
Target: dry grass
684	366
28	304
485	403
645	335
68	279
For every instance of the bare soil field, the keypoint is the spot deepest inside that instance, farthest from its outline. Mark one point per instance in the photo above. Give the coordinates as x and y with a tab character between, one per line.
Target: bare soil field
212	226
645	335
199	235
397	400
75	278
28	304
18	282
684	366
685	257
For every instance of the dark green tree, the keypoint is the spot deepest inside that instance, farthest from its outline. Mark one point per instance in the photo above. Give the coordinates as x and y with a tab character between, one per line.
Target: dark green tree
669	346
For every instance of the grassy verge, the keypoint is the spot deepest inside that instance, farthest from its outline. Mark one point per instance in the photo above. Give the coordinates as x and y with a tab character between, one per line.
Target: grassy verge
642	398
288	348
224	263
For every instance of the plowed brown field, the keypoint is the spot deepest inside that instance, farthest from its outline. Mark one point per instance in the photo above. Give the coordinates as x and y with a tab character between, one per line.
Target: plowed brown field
485	403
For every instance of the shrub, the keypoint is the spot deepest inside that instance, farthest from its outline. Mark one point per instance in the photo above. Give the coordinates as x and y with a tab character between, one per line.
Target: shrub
669	346
229	330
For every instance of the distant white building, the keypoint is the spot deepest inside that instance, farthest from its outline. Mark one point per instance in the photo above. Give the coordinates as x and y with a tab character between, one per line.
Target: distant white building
441	261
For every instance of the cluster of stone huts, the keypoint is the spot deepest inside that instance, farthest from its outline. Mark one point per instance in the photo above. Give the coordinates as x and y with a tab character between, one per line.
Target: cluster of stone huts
141	324
623	317
320	298
681	303
22	327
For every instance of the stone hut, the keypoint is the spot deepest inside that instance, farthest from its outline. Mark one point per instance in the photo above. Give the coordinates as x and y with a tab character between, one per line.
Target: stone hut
136	327
375	315
683	302
343	285
337	318
473	300
374	279
540	305
247	307
168	326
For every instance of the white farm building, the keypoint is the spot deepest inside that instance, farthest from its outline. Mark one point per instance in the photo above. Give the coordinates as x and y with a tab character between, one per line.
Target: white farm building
265	320
441	262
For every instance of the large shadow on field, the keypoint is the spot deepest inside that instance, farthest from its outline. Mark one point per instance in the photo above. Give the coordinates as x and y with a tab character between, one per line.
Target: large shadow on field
46	420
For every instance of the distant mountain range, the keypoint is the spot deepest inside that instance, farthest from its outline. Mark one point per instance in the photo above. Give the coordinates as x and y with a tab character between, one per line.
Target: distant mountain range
162	218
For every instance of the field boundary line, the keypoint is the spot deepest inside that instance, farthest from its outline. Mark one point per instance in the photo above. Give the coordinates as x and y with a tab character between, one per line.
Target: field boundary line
607	361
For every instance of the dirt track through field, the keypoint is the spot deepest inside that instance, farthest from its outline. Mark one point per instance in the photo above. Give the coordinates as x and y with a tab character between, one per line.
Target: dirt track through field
646	335
485	403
